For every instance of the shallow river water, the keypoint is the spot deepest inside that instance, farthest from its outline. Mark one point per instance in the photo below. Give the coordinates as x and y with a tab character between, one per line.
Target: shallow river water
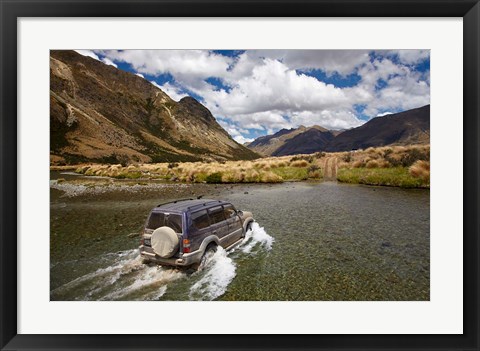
312	241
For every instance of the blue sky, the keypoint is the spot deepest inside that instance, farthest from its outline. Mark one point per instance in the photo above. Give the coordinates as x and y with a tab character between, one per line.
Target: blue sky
257	92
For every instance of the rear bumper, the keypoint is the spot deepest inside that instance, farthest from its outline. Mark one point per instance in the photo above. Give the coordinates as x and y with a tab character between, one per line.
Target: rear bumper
185	260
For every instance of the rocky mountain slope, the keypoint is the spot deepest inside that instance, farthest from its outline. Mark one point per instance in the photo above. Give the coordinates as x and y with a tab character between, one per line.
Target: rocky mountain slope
404	128
99	113
301	140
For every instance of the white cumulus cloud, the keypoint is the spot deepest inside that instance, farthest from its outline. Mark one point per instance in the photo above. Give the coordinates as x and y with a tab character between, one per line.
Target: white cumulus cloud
107	61
266	90
88	53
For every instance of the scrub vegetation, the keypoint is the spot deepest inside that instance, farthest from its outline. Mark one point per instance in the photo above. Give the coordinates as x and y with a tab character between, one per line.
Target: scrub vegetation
402	166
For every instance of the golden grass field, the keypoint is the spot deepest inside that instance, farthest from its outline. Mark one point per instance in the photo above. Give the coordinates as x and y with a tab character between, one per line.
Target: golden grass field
404	166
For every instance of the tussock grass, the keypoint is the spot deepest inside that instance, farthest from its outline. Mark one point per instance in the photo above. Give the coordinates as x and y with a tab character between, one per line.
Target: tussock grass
403	166
355	164
393	165
387	156
299	163
420	169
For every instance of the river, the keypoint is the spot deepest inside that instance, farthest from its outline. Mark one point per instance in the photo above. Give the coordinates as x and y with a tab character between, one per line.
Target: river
312	241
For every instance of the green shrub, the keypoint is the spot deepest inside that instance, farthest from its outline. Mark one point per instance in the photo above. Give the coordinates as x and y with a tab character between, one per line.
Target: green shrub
128	175
200	177
347	157
309	158
214	178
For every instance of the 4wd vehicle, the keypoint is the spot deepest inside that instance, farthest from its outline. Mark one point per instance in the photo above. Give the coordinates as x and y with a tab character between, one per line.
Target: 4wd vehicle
185	232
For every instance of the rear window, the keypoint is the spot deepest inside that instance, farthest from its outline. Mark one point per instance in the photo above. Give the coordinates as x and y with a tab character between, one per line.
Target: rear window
158	219
216	214
200	219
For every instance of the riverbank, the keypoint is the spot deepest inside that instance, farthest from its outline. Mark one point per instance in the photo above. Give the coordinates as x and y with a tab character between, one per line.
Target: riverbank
81	188
400	166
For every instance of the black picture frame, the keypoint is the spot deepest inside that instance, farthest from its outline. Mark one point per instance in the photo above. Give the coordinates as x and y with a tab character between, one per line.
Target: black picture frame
11	10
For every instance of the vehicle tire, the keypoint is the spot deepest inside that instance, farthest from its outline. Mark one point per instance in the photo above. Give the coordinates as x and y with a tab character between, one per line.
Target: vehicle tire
165	242
209	252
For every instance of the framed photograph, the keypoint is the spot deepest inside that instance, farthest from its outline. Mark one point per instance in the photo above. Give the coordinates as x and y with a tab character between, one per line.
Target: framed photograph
253	175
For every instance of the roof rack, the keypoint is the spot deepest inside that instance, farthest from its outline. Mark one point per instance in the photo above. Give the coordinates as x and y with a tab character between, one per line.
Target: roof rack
173	202
205	203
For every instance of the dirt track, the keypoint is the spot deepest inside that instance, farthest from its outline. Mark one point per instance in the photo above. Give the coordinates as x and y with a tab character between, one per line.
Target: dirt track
330	169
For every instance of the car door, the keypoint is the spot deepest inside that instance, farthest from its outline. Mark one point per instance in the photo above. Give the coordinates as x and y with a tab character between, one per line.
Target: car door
218	224
235	228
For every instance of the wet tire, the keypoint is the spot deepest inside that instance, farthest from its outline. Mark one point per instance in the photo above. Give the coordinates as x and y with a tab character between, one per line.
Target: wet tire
209	252
247	228
165	242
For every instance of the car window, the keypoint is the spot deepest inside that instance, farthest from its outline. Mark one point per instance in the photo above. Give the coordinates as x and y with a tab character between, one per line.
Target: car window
158	219
200	219
175	222
155	220
229	211
216	214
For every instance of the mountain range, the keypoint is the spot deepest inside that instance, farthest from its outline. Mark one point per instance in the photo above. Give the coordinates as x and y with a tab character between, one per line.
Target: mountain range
99	113
404	128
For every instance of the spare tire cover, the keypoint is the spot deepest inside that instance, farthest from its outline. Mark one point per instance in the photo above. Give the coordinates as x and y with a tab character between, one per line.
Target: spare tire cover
164	242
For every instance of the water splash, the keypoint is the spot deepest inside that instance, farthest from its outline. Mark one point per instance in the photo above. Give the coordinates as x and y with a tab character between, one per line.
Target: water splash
127	274
257	235
219	272
124	263
127	278
149	284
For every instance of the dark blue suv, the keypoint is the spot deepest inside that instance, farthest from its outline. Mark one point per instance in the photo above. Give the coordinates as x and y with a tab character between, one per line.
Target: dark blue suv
184	232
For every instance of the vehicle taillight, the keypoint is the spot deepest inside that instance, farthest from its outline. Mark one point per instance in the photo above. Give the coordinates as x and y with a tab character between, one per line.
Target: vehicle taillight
142	241
186	246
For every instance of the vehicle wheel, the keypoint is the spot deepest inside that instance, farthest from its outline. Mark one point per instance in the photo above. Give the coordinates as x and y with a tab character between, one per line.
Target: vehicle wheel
247	228
207	255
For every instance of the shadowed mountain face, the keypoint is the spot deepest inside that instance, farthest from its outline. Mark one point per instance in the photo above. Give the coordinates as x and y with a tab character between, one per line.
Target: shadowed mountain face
99	113
293	141
404	128
307	142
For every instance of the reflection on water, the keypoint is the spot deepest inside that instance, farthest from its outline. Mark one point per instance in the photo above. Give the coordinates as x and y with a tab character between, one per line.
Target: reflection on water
313	241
